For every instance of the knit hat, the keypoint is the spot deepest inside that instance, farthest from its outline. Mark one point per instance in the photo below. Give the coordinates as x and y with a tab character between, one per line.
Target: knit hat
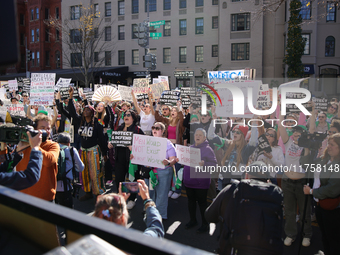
243	129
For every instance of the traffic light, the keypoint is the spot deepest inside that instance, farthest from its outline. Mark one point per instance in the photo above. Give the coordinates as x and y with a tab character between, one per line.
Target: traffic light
143	35
147	61
28	55
153	62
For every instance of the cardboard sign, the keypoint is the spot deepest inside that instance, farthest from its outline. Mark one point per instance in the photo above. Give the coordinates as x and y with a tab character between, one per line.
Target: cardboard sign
12	85
16	110
42	88
170	97
121	138
320	103
158	88
263	98
141	86
62	82
65	94
188	156
125	92
148	150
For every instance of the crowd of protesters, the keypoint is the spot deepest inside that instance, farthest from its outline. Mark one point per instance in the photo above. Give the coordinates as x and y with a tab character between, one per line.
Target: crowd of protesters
221	144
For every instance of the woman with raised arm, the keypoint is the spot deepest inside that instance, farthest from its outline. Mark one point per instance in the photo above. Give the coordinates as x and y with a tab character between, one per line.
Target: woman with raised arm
147	114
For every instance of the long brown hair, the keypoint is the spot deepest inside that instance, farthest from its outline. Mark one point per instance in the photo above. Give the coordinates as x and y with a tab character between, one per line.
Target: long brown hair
276	141
110	207
336	138
239	149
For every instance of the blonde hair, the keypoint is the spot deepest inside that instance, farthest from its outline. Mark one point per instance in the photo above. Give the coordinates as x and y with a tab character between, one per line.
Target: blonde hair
102	114
239	149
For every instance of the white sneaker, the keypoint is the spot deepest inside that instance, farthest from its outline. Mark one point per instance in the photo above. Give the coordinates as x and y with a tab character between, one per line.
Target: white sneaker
297	217
130	204
175	195
288	241
306	242
170	193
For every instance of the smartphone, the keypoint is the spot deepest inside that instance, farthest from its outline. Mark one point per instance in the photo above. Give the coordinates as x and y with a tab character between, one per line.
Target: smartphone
130	187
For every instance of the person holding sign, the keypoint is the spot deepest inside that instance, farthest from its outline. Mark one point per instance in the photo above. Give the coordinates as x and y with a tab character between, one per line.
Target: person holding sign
93	146
196	182
147	114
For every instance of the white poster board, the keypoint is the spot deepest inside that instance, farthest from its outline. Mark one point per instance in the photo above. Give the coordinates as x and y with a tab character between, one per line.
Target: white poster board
148	150
188	156
2	93
163	78
16	110
42	88
125	93
263	98
62	82
12	85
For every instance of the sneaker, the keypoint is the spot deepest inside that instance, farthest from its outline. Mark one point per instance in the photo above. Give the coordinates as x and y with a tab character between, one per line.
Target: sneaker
170	193
306	242
191	224
288	241
203	229
87	196
297	217
130	204
175	195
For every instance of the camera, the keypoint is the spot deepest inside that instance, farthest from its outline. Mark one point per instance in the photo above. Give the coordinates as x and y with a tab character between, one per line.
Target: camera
14	134
311	141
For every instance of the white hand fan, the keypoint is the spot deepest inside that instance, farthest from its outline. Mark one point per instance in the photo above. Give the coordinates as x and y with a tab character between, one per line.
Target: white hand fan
106	93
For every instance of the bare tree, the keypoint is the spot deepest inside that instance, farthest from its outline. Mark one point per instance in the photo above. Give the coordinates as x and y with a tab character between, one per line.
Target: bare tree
86	45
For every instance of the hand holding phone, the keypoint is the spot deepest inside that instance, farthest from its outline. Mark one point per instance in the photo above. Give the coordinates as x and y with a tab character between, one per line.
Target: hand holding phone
130	187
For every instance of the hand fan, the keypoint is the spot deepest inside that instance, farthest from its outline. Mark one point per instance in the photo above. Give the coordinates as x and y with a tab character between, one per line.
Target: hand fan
106	93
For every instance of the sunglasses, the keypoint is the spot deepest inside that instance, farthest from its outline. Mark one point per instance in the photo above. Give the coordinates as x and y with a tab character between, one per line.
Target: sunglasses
331	132
237	132
335	108
128	115
271	135
321	117
155	128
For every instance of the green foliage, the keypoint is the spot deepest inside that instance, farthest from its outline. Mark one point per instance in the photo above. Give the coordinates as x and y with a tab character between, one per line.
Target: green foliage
295	42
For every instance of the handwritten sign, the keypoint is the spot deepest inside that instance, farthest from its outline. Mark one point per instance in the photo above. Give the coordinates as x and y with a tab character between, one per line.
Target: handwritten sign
62	82
263	98
121	138
13	85
125	92
163	78
224	76
141	85
16	110
42	88
158	88
169	97
188	156
148	150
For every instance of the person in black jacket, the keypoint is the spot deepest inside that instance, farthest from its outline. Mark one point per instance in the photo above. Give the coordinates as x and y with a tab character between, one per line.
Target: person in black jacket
93	146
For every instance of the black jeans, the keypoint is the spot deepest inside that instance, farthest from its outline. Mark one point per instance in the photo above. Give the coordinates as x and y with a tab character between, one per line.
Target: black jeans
329	223
199	195
64	198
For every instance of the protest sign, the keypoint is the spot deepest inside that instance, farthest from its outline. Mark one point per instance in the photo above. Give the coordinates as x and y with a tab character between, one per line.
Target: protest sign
226	109
163	78
293	107
12	85
148	150
141	97
89	95
188	91
3	112
196	101
169	97
125	92
188	156
263	145
224	76
141	86
158	88
186	103
320	103
42	88
155	80
65	94
121	138
2	93
263	98
62	82
16	109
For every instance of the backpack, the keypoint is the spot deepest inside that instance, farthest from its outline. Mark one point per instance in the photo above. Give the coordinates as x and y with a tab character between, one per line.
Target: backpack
253	222
62	173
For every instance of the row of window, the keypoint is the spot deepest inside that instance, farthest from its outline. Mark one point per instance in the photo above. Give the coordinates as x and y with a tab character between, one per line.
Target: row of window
35	14
35	35
35	59
306	10
329	45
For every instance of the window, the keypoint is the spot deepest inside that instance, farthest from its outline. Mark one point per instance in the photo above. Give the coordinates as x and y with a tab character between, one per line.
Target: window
37	34
47	58
75	12
75	36
47	13
121	8
199	26
240	22
134	29
37	13
306	37
330	47
331	11
33	59
214	2
38	58
57	16
135	6
32	14
57	34
199	3
166	55
57	59
182	27
107	34
32	35
121	57
135	57
166	4
96	57
152	5
167	28
96	10
240	51
199	54
96	33
107	9
182	54
22	39
121	32
22	19
214	51
215	22
306	9
182	4
108	58
76	59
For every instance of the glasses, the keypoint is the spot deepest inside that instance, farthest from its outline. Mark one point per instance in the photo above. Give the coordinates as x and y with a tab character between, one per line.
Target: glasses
331	132
157	128
128	115
271	135
166	109
321	117
147	106
335	108
237	132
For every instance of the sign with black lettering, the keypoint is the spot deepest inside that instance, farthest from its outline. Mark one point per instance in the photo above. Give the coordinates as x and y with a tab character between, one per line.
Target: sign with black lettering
186	102
320	103
188	91
263	145
141	97
170	97
121	138
65	94
293	107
